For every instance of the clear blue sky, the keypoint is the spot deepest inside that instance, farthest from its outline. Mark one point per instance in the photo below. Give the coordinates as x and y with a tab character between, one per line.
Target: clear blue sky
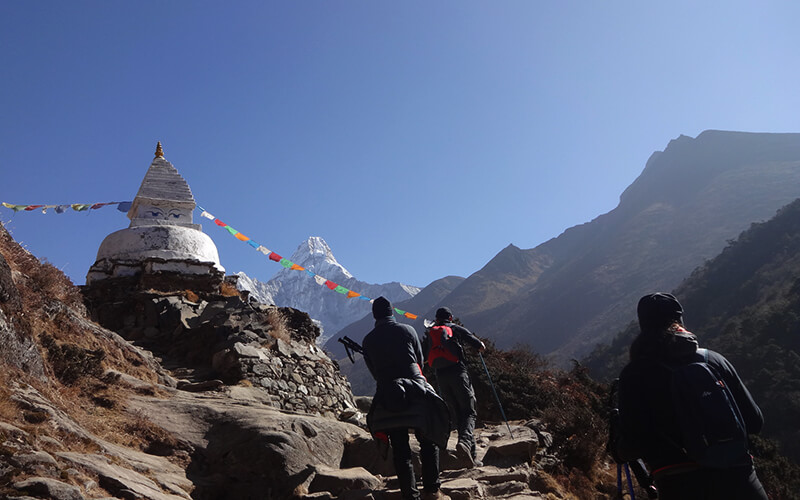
417	138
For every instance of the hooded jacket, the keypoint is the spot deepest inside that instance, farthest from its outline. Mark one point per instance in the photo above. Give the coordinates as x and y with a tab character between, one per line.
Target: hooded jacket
649	427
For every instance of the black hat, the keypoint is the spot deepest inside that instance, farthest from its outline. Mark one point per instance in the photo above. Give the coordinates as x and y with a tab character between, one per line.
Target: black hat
658	310
381	308
443	313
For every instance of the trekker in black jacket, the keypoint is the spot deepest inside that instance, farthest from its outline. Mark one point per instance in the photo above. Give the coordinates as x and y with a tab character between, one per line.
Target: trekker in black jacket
404	400
454	383
649	425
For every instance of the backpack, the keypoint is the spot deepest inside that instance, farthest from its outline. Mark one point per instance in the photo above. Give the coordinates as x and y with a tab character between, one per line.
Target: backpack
441	354
712	429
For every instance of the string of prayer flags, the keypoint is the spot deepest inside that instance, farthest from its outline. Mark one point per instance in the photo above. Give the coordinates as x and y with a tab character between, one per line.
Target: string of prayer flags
288	264
122	206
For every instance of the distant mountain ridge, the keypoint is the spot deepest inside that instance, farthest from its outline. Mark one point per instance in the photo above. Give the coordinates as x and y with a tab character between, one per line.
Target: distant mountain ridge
575	291
331	310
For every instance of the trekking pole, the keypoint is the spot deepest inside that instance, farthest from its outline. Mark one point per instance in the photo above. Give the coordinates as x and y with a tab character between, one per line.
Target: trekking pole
496	396
630	483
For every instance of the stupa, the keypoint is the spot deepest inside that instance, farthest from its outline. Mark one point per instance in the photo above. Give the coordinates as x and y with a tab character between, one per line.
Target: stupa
161	248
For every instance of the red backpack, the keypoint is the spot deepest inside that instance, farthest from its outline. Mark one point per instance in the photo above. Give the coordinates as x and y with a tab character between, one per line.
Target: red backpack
440	356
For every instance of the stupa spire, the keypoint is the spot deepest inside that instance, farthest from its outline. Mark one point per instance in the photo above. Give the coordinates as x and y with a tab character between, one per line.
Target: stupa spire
159	151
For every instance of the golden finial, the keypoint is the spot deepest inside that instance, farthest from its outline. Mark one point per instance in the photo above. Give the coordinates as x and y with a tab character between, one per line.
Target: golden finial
159	151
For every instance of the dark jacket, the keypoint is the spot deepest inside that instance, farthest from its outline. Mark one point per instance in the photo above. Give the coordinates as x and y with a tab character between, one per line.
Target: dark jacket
648	422
403	398
461	335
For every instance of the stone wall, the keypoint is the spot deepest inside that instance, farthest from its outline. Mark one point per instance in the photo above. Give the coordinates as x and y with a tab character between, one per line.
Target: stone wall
210	339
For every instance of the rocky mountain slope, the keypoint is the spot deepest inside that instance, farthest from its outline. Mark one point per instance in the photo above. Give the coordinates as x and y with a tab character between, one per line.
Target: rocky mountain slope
575	291
202	396
296	289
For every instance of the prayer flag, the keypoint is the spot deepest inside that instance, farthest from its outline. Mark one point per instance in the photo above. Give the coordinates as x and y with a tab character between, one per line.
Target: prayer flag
295	267
32	207
286	263
79	207
207	215
352	294
242	237
310	273
219	223
410	316
253	244
330	284
60	209
319	279
401	313
264	250
123	206
231	230
341	289
275	257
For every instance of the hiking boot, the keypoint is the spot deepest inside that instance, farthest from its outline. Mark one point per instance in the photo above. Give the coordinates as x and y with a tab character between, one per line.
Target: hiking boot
435	495
464	456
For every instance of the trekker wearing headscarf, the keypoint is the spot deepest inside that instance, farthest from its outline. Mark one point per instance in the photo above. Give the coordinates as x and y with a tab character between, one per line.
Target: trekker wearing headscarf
404	400
653	427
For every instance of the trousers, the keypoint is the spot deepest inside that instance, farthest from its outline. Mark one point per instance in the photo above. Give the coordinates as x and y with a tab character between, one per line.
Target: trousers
736	483
404	466
456	390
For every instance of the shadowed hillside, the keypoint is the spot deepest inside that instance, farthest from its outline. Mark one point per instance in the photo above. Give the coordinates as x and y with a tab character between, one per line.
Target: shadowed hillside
577	290
745	303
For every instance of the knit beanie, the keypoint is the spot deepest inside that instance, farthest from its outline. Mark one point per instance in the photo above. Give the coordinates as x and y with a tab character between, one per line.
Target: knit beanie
381	308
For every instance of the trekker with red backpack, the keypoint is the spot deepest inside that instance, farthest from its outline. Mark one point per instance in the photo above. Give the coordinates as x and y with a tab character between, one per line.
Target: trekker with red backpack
685	411
444	352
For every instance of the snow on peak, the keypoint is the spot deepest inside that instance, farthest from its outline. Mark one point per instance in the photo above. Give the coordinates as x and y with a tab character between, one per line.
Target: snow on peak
316	255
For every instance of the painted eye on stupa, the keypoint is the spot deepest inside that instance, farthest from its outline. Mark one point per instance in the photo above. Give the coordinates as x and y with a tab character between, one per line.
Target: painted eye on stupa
154	213
175	214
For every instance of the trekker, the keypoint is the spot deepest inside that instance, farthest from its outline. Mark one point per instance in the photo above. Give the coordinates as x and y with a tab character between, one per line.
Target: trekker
404	400
453	380
671	437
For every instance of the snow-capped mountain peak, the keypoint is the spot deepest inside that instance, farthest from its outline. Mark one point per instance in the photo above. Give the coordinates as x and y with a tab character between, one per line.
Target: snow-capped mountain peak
315	253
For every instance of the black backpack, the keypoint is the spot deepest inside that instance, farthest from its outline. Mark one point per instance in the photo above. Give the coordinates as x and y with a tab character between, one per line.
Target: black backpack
713	432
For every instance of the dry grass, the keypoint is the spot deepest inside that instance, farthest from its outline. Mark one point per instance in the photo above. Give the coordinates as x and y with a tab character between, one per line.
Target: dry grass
76	354
228	290
280	328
